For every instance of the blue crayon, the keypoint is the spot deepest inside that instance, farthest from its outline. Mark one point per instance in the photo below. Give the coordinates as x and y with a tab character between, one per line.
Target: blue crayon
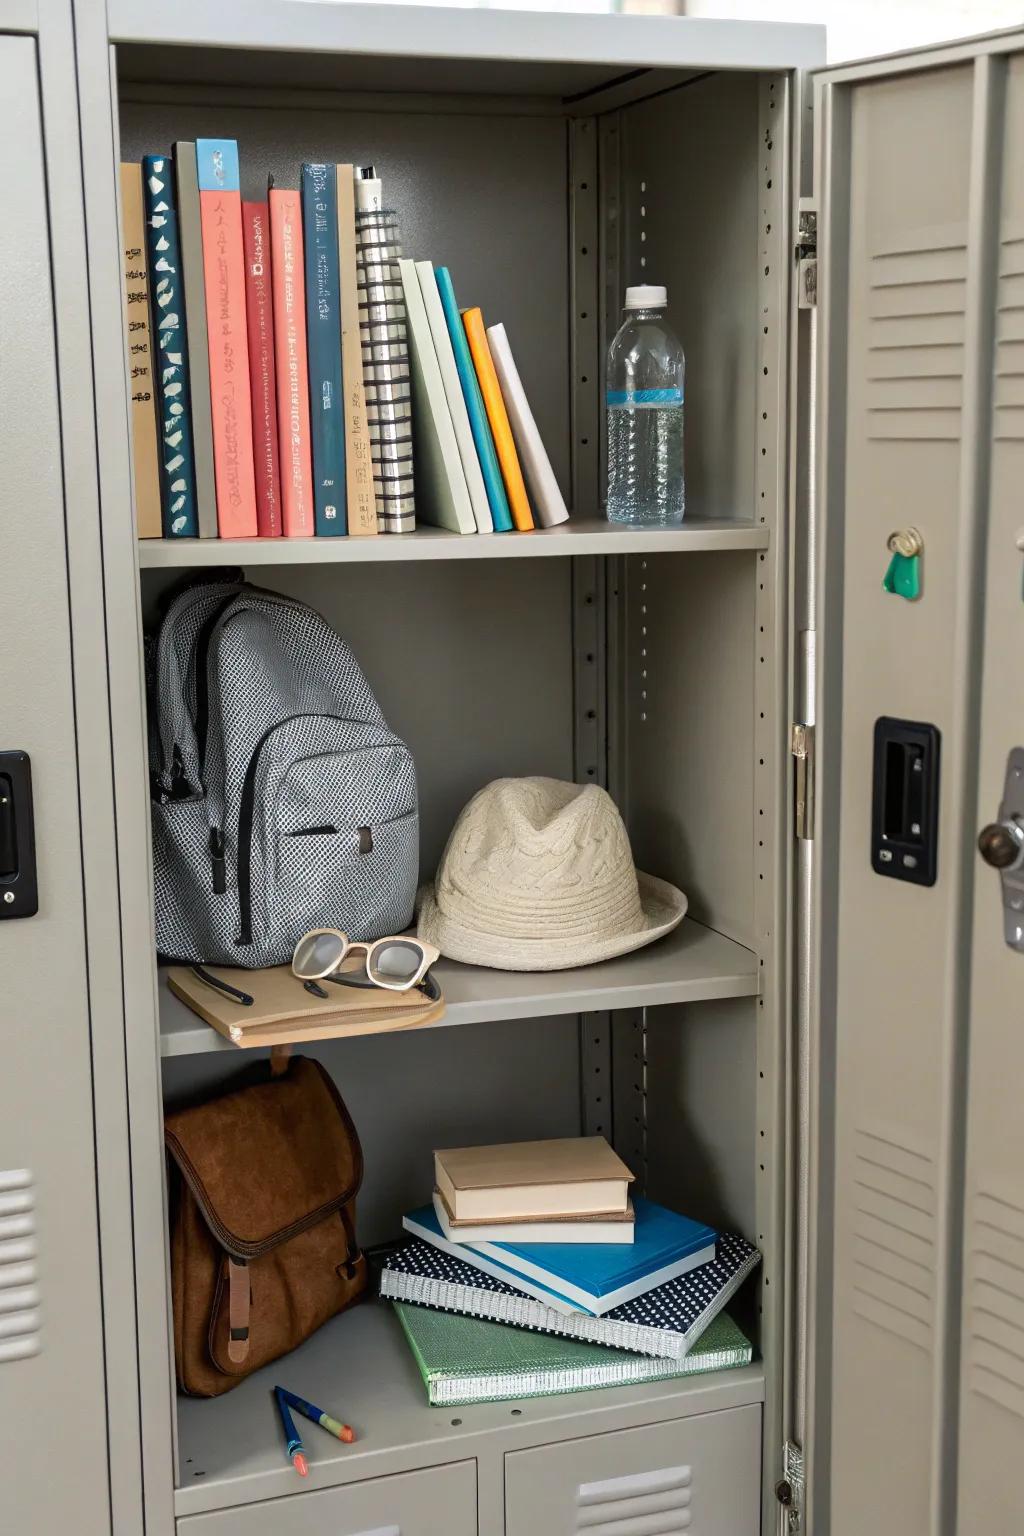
291	1434
340	1431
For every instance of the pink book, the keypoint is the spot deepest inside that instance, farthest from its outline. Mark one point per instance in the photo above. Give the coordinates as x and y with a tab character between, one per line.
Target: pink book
290	356
220	212
259	314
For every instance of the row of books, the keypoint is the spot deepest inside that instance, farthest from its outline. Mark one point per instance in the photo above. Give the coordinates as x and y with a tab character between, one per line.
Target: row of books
292	374
533	1272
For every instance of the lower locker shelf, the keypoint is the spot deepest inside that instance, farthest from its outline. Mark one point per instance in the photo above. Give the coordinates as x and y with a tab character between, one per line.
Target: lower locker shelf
359	1367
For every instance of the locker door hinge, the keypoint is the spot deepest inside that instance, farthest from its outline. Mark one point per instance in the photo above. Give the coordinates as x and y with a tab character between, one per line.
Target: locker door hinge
807	253
789	1490
802	748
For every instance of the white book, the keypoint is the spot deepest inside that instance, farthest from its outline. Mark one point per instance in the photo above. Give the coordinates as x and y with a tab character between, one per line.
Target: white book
532	1231
456	399
548	502
442	493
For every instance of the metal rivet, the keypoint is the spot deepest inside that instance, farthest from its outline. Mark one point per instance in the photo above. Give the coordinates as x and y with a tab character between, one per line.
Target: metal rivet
9	898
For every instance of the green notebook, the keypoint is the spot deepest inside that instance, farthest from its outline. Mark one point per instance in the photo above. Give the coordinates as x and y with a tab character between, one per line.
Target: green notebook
468	1360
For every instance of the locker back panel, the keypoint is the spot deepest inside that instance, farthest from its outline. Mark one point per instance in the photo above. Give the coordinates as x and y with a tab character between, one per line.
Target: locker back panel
896	1019
992	1402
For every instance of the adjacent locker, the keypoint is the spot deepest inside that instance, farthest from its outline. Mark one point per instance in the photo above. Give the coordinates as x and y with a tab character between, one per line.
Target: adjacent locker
53	1449
991	1459
904	322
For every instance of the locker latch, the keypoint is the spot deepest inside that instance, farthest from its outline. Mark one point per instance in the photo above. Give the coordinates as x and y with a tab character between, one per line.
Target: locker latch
807	254
802	748
1001	844
18	894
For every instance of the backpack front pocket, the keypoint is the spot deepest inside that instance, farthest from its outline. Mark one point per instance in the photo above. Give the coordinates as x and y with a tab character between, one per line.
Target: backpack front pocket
312	824
361	879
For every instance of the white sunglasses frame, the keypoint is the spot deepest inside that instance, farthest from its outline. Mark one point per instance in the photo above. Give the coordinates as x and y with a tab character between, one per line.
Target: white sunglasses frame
429	955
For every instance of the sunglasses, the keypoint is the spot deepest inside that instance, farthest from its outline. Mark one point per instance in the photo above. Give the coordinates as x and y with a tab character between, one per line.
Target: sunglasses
397	963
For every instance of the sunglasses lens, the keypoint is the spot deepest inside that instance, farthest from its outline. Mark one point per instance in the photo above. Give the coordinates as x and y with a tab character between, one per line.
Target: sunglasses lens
396	962
316	954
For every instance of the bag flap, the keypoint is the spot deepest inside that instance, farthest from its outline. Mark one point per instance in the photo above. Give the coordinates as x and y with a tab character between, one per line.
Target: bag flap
266	1161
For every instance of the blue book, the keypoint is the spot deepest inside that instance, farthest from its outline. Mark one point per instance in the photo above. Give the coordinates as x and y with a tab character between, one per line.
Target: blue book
587	1277
323	336
170	366
478	423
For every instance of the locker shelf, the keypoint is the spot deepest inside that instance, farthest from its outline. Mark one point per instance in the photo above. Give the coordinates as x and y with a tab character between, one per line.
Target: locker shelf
360	1368
581	536
693	964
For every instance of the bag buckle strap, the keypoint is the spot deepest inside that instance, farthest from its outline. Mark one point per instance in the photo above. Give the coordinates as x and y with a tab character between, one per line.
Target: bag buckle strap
239	1300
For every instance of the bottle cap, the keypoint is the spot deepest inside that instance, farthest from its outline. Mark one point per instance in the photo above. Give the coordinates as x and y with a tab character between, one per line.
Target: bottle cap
646	296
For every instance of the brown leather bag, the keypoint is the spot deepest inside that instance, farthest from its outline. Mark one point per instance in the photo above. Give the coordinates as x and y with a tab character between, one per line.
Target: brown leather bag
263	1245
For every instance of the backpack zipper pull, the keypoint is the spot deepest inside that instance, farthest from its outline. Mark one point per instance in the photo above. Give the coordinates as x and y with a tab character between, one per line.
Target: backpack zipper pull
220	884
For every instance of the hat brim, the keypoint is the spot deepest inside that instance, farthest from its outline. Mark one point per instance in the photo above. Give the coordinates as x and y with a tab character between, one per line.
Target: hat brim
664	908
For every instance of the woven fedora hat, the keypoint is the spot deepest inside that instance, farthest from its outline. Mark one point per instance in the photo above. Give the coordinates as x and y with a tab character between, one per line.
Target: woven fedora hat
538	876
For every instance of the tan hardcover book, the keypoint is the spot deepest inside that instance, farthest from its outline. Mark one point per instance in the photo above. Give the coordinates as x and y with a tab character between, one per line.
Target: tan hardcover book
595	1227
145	463
362	504
572	1176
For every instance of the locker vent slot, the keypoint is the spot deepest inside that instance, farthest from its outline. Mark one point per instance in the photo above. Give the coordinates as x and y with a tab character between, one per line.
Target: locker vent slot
893	1230
19	1277
641	1504
916	340
995	1290
1009	387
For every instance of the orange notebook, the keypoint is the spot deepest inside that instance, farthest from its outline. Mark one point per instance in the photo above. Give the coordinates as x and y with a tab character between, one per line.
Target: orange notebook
295	461
497	415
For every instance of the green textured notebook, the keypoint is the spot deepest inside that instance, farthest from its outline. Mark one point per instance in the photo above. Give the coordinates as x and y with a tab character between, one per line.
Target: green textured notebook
468	1360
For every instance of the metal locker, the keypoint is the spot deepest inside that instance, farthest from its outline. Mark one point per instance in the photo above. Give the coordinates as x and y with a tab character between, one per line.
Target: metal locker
51	1326
913	229
992	1347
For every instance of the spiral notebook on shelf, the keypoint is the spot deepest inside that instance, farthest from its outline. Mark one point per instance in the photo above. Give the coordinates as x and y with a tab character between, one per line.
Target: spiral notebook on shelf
666	1322
467	1360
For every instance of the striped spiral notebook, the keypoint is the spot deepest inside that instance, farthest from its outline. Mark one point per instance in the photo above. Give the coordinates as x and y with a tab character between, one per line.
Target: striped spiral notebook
387	373
666	1322
467	1360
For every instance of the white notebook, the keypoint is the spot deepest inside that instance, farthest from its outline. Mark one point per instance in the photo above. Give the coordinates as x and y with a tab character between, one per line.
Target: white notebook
442	493
548	502
456	399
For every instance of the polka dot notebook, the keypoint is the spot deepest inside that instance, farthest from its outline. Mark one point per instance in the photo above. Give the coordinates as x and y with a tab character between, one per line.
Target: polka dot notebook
666	1322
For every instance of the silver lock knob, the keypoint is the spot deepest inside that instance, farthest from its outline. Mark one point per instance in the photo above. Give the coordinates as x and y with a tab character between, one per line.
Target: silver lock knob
1001	844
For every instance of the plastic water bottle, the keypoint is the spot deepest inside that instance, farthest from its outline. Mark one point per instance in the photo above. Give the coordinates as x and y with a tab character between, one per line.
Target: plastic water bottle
645	415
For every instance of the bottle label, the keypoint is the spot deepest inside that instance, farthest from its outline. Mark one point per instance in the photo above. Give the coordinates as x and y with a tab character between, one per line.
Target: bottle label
644	397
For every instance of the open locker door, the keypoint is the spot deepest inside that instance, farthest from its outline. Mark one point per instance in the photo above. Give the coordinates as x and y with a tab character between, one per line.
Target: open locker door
919	164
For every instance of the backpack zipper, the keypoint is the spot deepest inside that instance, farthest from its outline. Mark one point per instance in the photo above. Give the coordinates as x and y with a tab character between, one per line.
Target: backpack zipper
247	807
220	883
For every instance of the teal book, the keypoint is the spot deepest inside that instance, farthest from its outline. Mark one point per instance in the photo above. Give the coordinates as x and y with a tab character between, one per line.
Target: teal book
323	338
468	1360
478	423
170	348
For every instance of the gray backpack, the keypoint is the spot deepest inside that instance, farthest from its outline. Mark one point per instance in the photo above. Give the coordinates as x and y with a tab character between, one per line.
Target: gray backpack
281	801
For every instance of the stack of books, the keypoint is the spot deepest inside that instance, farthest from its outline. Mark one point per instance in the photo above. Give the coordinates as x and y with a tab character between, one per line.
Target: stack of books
292	374
543	1236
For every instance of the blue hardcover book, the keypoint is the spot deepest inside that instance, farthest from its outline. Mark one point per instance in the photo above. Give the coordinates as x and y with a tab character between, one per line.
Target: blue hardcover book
588	1277
478	423
323	336
170	368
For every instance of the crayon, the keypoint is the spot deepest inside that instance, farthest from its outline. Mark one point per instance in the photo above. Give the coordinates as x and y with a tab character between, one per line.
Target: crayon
343	1432
295	1448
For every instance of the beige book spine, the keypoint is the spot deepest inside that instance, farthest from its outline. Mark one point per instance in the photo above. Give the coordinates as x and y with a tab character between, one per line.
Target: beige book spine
362	505
145	463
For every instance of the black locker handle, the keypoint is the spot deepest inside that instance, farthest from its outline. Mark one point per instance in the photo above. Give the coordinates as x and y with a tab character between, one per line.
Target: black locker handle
19	896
